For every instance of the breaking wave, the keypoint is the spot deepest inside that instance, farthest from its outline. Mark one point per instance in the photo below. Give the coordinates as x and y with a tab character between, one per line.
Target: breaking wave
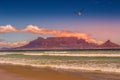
77	61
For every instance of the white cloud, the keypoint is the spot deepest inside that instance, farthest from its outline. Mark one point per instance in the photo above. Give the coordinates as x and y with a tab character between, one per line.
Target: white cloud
59	33
37	30
7	28
12	44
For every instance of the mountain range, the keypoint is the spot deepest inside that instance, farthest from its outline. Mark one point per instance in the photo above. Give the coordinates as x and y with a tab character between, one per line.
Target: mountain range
65	43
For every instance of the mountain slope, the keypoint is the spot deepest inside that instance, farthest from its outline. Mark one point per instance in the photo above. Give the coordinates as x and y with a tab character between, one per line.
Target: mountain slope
60	42
65	43
109	44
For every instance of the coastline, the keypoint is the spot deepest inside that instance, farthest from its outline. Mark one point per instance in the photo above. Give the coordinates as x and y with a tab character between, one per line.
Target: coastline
58	49
13	72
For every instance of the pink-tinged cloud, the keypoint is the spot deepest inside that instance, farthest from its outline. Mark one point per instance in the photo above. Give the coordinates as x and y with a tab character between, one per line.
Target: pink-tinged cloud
45	31
7	28
59	33
12	44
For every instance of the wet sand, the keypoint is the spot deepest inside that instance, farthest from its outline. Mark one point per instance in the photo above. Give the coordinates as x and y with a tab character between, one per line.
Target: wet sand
27	73
8	72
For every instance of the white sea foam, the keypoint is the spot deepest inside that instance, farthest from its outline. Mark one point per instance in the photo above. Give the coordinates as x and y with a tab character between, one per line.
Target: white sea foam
8	53
72	54
88	67
89	64
48	52
66	53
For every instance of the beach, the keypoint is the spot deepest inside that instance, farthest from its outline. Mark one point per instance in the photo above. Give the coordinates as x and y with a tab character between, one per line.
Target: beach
10	72
27	73
60	65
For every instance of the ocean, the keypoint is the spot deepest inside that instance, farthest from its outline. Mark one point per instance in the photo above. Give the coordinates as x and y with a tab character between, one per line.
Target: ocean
85	60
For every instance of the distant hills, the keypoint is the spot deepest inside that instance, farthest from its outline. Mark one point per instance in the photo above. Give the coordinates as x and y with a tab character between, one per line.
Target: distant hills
109	44
65	43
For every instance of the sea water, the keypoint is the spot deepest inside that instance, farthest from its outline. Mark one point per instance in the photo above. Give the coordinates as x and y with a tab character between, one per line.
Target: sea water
89	60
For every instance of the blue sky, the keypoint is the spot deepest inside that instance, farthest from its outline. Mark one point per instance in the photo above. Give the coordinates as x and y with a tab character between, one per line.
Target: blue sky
100	19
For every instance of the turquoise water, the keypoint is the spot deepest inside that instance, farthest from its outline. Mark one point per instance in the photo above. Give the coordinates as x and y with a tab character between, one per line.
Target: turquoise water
106	60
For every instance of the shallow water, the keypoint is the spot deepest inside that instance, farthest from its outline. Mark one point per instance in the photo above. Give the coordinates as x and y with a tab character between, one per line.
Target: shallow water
106	60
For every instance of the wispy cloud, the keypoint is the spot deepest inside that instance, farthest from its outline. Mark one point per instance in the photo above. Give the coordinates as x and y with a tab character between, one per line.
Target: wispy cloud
57	33
12	44
7	28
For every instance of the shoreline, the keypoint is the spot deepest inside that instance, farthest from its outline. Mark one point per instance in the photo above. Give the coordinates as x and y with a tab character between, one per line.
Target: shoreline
15	72
20	50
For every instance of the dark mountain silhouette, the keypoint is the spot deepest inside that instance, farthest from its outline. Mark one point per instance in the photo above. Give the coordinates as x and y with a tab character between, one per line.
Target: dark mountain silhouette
65	43
109	44
59	42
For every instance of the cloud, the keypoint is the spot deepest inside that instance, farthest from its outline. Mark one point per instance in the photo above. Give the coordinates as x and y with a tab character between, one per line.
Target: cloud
12	44
59	33
37	30
7	28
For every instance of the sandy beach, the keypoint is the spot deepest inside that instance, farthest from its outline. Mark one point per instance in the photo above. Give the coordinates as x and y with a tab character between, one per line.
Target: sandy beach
27	73
80	65
8	72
